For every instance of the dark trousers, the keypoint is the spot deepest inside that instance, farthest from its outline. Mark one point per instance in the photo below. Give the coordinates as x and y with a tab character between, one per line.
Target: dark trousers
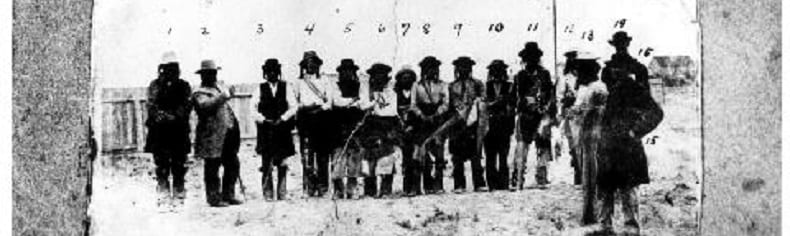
170	164
371	187
229	161
459	178
433	172
497	146
411	170
268	182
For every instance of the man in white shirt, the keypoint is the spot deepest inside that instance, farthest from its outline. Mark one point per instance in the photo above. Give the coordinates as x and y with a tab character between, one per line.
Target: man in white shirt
380	130
314	98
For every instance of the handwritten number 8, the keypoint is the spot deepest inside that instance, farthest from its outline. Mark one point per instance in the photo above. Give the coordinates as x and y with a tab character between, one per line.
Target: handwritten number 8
426	28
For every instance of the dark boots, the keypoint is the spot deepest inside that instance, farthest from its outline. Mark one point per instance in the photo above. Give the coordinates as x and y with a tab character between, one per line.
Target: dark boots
541	176
282	191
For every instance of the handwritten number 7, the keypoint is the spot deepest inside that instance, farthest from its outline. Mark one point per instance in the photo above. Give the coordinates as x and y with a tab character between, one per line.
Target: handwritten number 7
405	27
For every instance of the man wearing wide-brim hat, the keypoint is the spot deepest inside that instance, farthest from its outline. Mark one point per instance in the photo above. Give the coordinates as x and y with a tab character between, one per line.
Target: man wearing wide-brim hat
631	113
404	83
466	93
379	134
346	115
314	96
217	136
500	100
168	129
535	105
275	104
429	103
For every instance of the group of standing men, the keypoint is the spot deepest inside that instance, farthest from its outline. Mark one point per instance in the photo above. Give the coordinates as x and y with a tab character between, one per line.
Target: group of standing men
351	128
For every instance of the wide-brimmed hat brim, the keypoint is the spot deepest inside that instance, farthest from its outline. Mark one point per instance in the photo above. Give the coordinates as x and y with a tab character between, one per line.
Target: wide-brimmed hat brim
207	69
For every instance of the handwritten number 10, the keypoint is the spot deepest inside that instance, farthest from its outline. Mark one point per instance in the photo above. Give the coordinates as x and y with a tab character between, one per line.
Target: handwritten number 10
498	27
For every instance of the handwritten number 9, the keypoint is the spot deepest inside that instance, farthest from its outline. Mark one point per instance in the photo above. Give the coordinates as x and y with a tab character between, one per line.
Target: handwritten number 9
457	27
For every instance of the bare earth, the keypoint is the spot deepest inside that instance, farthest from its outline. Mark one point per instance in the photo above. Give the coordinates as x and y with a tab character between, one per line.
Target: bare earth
124	198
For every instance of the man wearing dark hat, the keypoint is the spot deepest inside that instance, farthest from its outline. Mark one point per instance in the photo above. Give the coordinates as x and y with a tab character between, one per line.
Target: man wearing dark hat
217	136
501	111
465	93
380	131
404	82
314	96
347	115
168	129
276	107
566	96
535	95
429	102
631	113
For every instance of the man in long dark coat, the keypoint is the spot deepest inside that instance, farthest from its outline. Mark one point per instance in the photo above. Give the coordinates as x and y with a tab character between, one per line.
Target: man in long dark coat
276	106
535	93
429	103
346	115
404	82
217	136
168	129
465	94
501	103
631	113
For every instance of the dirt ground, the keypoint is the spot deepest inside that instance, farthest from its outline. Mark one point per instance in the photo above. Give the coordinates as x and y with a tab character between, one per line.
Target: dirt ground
124	197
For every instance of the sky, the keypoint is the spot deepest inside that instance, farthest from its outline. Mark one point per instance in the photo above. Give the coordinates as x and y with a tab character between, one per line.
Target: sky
130	37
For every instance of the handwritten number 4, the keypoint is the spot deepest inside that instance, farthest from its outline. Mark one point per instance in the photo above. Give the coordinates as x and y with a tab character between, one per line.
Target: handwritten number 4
309	28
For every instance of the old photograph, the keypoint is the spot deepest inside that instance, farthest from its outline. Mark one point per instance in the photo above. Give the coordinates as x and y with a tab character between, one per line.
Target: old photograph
396	117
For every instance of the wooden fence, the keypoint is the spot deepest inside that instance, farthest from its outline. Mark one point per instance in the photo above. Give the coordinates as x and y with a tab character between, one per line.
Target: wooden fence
124	112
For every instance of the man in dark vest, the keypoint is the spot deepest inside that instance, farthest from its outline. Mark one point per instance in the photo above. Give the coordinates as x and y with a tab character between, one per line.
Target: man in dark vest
346	115
631	113
168	129
429	102
217	136
465	94
404	81
276	107
535	96
501	112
